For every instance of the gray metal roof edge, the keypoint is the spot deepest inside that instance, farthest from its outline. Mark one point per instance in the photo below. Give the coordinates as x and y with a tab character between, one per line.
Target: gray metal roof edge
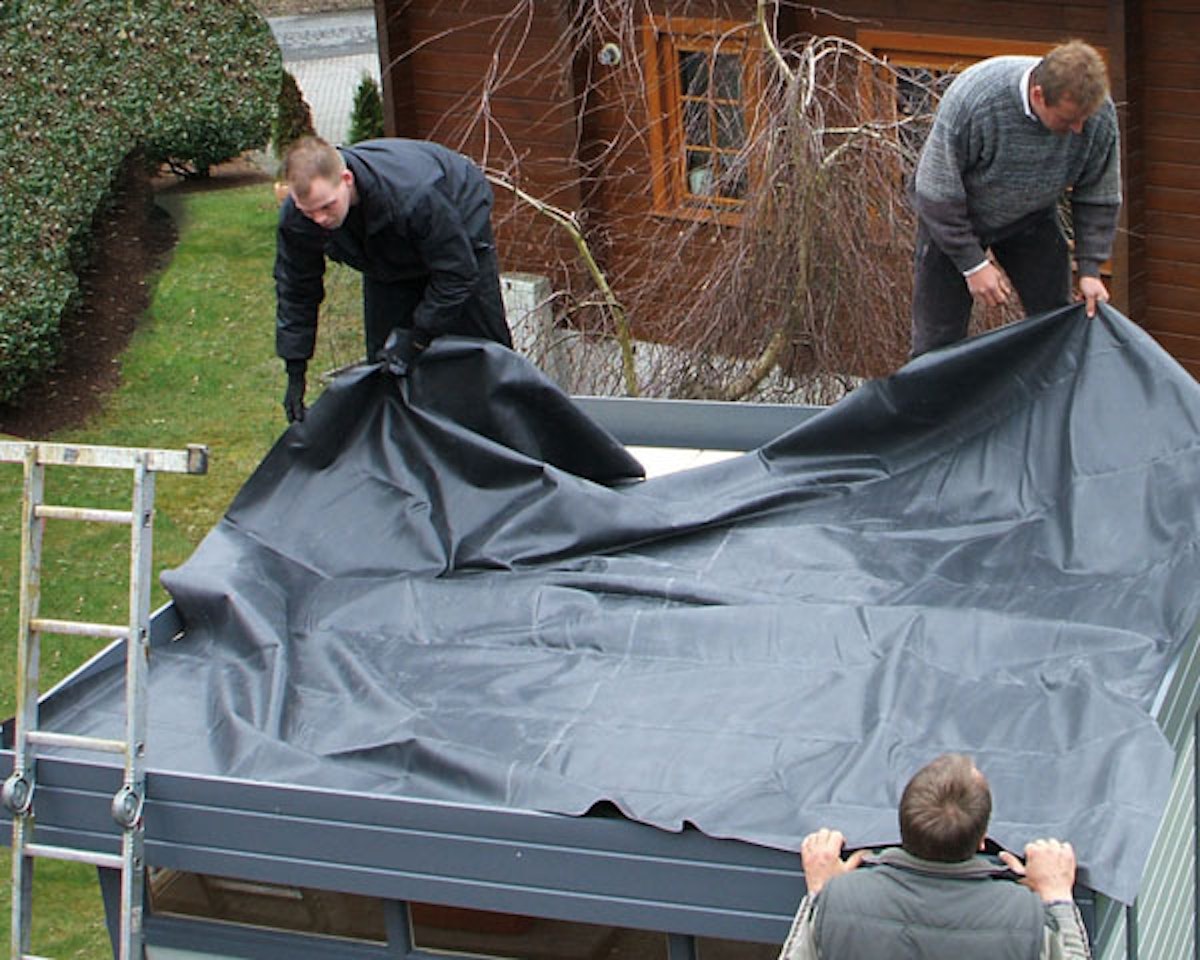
699	424
599	831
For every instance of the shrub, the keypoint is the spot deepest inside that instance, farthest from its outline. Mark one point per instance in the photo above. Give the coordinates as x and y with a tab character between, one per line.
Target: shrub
366	117
293	118
189	82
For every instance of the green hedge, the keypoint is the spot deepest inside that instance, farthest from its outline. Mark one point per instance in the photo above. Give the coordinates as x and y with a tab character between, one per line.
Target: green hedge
83	87
293	118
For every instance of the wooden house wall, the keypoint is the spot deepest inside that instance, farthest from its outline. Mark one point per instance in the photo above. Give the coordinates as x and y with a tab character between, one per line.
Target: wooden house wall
437	59
434	93
1126	45
1171	132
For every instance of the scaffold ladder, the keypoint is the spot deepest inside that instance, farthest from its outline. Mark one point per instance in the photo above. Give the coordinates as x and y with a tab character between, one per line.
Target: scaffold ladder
19	789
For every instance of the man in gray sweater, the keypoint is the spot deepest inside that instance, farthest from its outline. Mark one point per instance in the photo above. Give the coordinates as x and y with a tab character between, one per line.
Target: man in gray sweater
933	897
1011	137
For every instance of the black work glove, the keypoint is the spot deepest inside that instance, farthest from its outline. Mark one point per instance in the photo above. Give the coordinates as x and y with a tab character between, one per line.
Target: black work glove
293	399
401	348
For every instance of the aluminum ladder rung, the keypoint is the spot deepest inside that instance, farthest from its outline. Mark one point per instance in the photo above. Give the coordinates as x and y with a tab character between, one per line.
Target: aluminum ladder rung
112	861
73	741
77	628
47	511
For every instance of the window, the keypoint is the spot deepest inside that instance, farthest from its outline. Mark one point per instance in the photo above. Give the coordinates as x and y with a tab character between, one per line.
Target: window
922	67
701	92
457	932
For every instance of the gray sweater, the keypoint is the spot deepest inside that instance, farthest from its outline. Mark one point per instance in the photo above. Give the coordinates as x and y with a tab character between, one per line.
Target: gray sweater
988	169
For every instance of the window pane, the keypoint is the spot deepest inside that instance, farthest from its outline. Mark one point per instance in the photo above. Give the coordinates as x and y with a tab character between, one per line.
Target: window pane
709	948
727	76
700	173
476	933
916	90
695	122
693	73
737	186
731	127
268	905
731	180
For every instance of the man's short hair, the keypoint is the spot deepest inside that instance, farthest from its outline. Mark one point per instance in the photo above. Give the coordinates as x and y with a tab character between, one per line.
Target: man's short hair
1075	71
945	809
309	158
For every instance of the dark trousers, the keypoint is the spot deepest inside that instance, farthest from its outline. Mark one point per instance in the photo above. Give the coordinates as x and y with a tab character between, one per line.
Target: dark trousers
1036	259
388	305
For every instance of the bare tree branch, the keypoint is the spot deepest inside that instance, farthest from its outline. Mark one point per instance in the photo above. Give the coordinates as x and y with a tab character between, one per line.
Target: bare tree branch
568	222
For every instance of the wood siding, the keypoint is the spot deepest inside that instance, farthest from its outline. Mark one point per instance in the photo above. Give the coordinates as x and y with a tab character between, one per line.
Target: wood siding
440	56
1126	48
1170	126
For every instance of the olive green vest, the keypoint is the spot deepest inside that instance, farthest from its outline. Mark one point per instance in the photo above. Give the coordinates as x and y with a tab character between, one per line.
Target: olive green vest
900	907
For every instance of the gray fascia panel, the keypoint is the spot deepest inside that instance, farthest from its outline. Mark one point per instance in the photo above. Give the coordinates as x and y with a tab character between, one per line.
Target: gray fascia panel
238	940
594	869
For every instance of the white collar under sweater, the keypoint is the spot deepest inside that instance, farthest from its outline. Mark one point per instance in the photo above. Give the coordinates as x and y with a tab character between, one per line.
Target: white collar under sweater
1025	95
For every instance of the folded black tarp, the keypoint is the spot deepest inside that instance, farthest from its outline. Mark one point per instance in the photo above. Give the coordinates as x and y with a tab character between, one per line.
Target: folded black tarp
992	551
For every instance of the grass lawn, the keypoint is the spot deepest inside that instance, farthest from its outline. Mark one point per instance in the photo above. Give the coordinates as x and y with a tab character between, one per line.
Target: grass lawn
200	369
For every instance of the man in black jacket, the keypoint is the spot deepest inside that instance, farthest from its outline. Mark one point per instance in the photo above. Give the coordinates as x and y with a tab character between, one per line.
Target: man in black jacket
933	897
415	219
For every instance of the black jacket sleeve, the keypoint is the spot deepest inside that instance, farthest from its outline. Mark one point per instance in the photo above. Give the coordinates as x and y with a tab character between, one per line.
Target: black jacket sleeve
299	284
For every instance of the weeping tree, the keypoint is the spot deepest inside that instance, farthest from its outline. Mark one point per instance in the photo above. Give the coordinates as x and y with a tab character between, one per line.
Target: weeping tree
815	284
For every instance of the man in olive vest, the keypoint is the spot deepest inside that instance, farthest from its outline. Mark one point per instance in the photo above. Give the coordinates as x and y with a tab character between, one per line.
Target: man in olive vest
934	897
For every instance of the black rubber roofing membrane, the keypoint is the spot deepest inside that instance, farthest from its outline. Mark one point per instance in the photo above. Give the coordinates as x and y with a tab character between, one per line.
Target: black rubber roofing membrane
453	586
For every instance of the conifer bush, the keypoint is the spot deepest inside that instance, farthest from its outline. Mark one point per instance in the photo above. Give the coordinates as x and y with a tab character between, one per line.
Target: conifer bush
366	116
83	87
